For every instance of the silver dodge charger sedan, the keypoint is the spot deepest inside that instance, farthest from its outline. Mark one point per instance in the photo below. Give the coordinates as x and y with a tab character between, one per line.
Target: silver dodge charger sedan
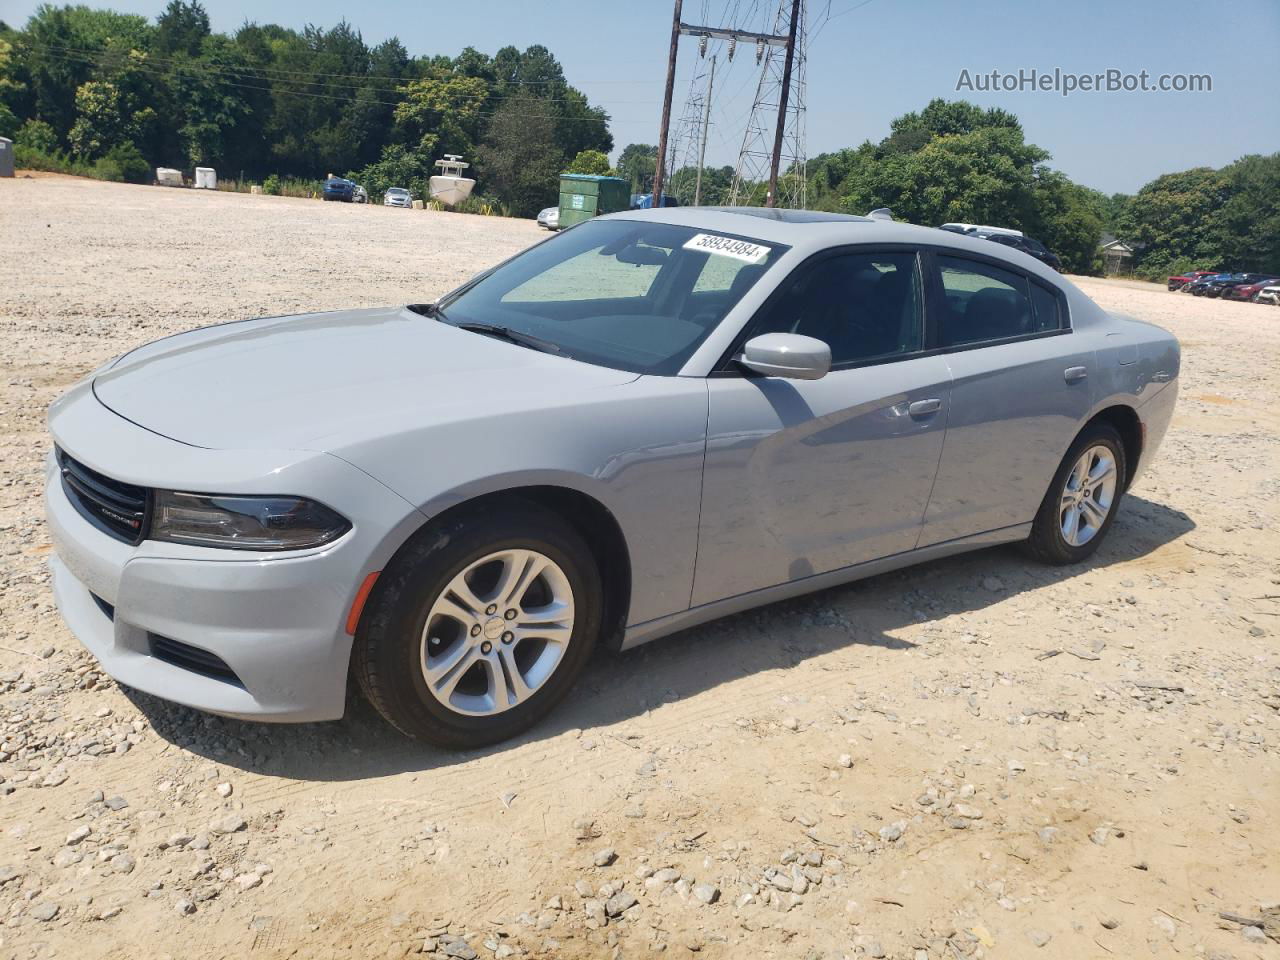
653	419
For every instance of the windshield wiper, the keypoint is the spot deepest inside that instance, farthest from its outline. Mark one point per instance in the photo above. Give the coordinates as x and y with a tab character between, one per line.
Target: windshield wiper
434	311
505	333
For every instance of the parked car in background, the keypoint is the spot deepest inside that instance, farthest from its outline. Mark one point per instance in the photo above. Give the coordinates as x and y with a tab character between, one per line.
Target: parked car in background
652	420
644	201
1028	245
339	188
972	228
397	197
1216	288
1250	288
1269	294
549	217
1197	288
359	195
1180	281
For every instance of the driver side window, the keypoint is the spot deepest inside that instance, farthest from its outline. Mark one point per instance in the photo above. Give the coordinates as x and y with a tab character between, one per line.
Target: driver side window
864	306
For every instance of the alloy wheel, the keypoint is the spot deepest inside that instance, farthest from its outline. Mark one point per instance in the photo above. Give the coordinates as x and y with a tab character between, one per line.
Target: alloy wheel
497	632
1088	495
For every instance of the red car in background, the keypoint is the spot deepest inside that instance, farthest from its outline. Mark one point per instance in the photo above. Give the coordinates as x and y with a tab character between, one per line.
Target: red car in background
1177	283
1247	291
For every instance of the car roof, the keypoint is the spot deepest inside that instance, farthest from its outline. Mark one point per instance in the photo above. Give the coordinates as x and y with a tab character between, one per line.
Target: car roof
810	231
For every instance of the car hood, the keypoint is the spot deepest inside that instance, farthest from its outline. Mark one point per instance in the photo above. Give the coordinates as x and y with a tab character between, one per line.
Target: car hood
315	381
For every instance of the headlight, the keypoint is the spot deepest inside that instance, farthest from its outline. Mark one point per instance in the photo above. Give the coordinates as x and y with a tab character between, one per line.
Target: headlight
244	523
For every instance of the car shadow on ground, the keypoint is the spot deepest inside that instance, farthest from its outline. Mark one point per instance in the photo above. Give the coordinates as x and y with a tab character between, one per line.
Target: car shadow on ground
616	688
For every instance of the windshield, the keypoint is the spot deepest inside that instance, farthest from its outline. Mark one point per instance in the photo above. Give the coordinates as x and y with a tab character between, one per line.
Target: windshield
631	295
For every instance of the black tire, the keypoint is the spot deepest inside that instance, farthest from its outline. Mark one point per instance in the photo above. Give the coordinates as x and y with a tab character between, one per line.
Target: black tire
1046	542
385	658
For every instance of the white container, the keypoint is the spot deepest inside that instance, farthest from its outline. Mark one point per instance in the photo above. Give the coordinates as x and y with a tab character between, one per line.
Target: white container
206	178
168	177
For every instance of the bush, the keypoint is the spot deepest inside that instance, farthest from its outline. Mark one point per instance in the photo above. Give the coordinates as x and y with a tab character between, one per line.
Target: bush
37	135
271	185
123	163
25	158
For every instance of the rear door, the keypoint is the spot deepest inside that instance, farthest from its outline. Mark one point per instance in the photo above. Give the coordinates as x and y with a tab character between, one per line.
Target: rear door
1020	389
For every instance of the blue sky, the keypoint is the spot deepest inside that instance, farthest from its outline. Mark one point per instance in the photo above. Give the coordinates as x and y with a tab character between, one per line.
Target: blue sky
876	59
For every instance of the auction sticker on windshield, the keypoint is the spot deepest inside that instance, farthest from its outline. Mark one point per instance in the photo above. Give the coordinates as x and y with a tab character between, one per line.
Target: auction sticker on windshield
728	247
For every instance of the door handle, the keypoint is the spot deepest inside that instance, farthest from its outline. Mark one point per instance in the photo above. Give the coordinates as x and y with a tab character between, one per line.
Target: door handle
1075	374
923	408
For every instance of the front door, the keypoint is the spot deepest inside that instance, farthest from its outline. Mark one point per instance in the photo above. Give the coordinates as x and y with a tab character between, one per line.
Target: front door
805	477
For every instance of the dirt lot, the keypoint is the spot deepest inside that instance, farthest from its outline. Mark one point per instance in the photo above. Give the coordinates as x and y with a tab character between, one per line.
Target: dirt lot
980	757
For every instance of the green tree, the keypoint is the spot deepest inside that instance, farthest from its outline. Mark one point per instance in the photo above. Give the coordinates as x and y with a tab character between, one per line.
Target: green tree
945	117
10	90
592	162
441	115
101	121
520	158
1171	218
182	28
1246	231
638	162
1067	218
986	176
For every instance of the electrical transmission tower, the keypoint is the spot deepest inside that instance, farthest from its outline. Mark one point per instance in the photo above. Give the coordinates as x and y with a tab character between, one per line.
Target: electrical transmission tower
782	80
687	141
781	88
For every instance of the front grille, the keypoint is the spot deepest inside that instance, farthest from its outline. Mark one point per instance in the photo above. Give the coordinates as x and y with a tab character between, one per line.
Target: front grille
119	509
191	658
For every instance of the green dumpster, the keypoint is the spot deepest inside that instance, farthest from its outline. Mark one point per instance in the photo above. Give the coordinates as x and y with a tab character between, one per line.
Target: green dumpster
583	196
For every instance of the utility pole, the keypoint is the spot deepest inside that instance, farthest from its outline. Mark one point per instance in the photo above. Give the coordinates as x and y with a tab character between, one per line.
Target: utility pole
666	107
706	121
771	199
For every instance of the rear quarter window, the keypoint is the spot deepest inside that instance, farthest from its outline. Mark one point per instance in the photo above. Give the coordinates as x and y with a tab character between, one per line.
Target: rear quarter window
1049	310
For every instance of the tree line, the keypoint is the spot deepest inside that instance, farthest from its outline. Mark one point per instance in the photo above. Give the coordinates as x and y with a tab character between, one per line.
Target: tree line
122	93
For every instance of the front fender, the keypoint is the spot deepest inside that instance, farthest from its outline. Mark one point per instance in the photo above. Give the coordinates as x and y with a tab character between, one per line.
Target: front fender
636	448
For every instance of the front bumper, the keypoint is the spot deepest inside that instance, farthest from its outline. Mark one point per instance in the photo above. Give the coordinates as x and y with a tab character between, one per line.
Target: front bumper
277	622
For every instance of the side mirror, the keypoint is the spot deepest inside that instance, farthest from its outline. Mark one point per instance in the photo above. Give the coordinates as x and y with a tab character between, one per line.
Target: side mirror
789	355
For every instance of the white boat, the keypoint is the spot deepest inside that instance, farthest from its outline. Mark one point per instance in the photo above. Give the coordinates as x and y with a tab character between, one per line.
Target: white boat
449	186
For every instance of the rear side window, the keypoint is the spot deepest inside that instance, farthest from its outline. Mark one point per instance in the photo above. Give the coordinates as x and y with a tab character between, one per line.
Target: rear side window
983	302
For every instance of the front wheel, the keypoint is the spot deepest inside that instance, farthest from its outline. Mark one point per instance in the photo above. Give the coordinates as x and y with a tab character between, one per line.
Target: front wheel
1082	500
480	626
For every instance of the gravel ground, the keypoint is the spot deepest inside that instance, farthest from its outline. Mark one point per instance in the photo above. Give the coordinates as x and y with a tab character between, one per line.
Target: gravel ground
979	757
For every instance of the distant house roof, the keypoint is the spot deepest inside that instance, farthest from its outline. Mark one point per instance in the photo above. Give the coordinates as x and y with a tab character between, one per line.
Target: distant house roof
1117	246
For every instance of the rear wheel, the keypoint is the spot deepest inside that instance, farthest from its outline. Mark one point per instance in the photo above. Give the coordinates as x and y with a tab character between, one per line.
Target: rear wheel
480	626
1082	500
